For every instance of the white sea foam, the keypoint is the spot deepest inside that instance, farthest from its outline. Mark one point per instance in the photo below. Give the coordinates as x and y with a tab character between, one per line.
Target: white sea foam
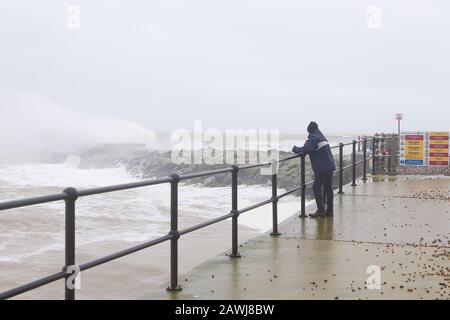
61	175
134	215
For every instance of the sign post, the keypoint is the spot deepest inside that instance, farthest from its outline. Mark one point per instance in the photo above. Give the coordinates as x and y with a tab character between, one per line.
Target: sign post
399	117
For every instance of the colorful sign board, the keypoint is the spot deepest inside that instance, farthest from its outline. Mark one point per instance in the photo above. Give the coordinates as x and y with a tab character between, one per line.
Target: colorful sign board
412	148
437	148
424	148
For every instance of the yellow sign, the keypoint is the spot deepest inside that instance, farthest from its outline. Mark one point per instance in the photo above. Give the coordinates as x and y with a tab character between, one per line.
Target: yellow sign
424	148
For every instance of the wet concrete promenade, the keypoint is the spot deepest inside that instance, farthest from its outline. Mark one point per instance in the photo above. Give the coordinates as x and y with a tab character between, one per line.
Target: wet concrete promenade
399	224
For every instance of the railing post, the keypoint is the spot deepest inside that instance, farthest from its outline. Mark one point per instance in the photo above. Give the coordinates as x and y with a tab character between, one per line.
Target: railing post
235	211
174	233
374	152
341	167
393	152
303	187
364	160
354	164
72	196
274	206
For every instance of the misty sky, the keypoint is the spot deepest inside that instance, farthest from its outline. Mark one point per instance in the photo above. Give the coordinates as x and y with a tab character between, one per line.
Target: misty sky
231	64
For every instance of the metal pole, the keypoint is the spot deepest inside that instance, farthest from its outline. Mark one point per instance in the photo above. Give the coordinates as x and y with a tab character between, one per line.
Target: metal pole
274	206
390	153
393	153
373	155
341	166
235	211
174	233
365	159
303	186
354	164
70	240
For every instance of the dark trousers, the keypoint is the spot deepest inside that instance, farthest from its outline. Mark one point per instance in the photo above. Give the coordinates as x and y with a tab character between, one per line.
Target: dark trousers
323	184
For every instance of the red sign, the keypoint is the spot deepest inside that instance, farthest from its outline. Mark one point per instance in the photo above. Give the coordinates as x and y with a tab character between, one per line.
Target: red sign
439	163
414	137
438	154
438	138
438	146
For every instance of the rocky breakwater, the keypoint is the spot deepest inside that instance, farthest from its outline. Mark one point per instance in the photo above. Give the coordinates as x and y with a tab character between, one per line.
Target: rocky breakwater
147	164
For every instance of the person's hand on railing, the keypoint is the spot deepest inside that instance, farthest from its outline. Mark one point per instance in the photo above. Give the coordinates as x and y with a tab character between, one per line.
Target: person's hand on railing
298	150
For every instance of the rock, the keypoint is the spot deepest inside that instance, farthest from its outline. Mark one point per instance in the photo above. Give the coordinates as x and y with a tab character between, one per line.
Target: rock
147	164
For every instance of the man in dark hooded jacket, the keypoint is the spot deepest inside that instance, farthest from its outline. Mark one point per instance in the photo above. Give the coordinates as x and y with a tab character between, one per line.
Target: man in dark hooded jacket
322	163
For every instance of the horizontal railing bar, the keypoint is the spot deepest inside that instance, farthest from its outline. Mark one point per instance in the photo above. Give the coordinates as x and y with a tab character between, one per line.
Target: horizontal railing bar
293	190
32	201
204	173
33	285
205	224
383	155
259	204
125	186
289	158
288	192
120	254
350	143
351	165
367	139
257	165
263	203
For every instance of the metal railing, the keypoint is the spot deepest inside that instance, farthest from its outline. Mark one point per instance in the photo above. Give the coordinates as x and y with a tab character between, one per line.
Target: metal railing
71	195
